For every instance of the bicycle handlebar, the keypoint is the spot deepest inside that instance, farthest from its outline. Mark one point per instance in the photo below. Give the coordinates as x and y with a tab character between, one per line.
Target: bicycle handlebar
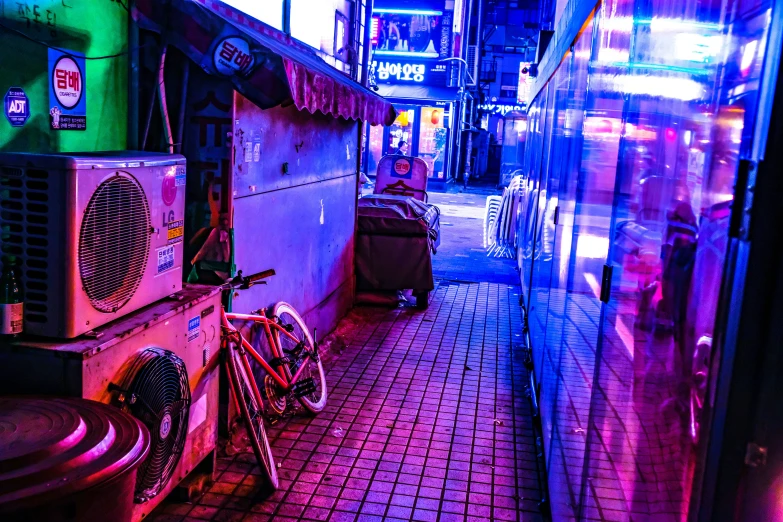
261	275
245	282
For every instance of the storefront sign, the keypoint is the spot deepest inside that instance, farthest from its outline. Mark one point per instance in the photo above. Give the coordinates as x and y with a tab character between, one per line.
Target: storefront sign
523	87
232	56
410	73
445	35
411	32
17	107
501	110
67	91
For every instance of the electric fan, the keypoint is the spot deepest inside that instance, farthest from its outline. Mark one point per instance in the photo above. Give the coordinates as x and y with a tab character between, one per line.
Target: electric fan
156	392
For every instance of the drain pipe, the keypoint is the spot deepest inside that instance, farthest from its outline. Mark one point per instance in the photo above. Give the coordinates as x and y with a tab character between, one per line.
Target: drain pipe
183	105
164	109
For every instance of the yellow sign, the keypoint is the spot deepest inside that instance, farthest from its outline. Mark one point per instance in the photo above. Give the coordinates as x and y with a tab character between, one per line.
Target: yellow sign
176	231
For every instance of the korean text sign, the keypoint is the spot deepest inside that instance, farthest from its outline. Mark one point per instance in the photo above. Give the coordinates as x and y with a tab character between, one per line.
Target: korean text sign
67	91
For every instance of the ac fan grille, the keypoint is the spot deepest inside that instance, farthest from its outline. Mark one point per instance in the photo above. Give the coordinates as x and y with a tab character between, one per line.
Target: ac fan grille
24	229
114	243
159	396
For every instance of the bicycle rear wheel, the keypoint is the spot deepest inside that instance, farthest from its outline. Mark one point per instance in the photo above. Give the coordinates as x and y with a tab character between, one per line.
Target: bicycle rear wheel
316	400
252	411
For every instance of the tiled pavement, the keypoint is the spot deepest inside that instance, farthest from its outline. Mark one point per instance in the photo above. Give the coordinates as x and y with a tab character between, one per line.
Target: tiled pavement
428	419
461	255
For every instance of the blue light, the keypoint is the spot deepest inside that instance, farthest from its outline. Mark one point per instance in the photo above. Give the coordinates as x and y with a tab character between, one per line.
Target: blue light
406	53
408	11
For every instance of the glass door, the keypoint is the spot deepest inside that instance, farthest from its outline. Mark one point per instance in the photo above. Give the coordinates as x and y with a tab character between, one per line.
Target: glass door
375	148
433	136
400	137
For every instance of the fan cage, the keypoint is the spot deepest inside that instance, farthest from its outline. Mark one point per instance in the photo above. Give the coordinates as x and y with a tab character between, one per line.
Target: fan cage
158	394
114	242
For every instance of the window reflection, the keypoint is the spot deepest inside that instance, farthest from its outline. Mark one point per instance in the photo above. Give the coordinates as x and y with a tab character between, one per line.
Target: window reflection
634	145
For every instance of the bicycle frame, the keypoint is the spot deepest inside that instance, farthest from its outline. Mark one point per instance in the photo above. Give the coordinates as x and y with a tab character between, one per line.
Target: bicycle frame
278	375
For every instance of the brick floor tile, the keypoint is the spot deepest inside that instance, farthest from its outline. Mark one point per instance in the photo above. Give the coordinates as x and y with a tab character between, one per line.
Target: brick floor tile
166	517
203	512
257	517
317	513
403	500
433	423
353	494
342	516
229	515
424	515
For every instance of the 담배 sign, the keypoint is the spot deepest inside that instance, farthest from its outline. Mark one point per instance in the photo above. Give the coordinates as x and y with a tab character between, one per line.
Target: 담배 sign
67	91
402	168
17	107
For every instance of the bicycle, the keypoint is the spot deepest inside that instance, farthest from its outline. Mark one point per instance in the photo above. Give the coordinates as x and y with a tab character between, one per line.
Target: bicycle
295	371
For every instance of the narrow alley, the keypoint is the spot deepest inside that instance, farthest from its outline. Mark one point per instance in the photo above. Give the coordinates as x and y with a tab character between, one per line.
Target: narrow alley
428	415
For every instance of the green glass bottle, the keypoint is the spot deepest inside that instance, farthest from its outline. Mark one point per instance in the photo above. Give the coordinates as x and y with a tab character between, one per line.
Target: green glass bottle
11	305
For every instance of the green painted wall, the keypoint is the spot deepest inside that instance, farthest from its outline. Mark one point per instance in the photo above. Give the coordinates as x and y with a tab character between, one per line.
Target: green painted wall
92	27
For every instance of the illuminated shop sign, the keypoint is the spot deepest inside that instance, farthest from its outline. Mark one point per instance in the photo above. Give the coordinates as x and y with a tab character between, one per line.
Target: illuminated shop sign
501	110
411	33
410	73
523	86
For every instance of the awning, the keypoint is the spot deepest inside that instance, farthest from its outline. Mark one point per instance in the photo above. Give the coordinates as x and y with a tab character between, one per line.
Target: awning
267	66
419	92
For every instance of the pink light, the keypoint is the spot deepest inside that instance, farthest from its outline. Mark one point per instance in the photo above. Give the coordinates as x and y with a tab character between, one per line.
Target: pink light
374	30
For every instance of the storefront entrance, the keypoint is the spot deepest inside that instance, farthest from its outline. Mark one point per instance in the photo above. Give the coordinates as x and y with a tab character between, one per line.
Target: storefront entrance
421	129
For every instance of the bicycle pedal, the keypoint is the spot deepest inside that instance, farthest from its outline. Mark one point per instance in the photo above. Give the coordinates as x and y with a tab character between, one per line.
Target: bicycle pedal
304	388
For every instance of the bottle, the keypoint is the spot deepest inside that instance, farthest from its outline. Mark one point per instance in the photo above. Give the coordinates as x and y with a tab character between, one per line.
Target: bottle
11	305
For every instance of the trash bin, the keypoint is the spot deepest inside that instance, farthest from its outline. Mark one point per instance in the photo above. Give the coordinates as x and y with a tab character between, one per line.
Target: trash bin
396	238
68	460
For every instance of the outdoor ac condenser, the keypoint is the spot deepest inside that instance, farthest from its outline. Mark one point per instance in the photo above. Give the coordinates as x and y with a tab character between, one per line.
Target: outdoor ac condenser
96	235
160	364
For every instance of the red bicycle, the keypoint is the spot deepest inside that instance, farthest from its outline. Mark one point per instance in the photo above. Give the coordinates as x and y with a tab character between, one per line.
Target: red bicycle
295	373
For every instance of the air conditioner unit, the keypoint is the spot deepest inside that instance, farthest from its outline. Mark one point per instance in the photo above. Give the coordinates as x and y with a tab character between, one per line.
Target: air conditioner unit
158	363
98	235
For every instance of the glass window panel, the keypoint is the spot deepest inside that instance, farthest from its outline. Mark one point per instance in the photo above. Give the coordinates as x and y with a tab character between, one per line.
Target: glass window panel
312	22
269	11
432	139
401	131
375	150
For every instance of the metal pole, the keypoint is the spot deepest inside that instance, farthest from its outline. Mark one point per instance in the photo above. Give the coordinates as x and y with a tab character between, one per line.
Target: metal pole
133	83
367	45
154	95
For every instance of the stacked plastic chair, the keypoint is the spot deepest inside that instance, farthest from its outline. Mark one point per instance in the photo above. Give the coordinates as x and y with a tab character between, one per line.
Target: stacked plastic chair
500	220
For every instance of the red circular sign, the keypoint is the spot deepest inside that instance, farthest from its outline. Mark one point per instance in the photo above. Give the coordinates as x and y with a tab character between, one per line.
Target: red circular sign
402	166
169	190
67	82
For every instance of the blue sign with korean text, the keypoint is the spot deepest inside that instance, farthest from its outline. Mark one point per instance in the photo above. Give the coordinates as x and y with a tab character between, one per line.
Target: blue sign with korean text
17	107
67	90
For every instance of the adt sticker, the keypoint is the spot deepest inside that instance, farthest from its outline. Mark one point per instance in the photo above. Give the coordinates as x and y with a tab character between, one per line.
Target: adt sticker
67	91
194	327
17	107
165	258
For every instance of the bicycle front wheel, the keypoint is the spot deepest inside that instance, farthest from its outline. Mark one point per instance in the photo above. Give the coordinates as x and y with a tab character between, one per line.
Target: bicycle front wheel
252	411
314	369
